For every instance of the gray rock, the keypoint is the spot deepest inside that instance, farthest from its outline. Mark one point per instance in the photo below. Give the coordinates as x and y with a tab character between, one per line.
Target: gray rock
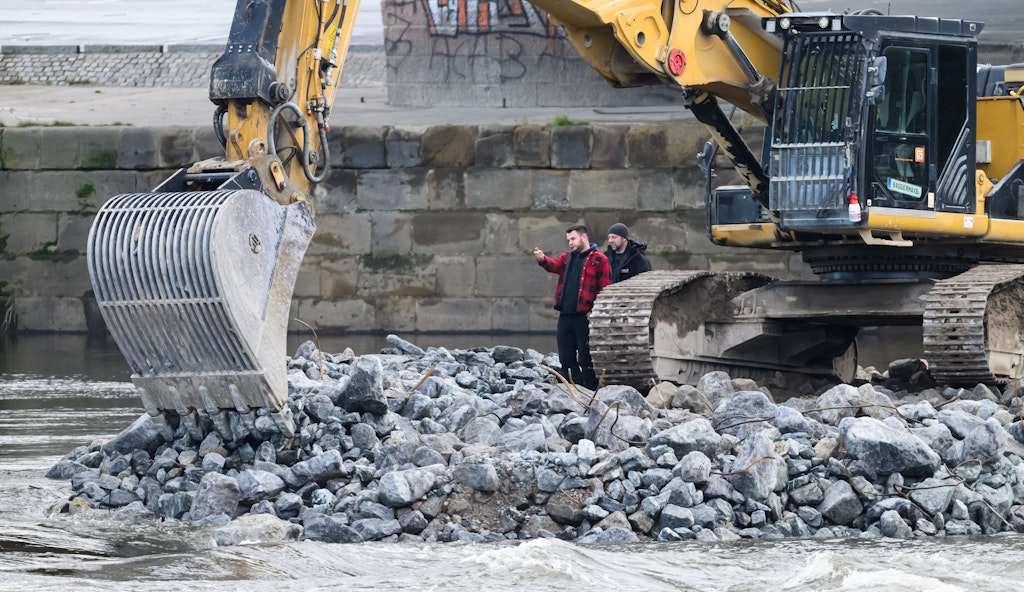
959	422
287	505
990	511
875	404
401	488
985	443
628	399
564	509
695	467
933	495
480	476
425	455
319	407
319	469
893	526
809	494
146	433
715	386
217	494
404	346
789	420
687	437
328	529
413	522
689	398
174	505
365	388
530	437
919	411
719	487
616	535
65	469
937	436
374	529
482	430
548	480
673	516
364	437
757	470
743	414
883	450
255	485
840	505
837	403
253	529
419	406
504	354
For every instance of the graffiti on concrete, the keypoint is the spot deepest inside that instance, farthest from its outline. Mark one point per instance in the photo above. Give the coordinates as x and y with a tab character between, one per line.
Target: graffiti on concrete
481	17
472	39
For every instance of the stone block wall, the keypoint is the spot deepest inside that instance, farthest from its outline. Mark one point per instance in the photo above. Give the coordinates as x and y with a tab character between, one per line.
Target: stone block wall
427	229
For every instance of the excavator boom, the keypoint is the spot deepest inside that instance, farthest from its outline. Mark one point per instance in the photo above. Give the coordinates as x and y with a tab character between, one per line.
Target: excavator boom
195	278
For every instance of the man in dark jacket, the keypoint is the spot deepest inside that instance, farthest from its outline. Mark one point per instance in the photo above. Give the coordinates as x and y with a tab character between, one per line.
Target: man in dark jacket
582	272
626	256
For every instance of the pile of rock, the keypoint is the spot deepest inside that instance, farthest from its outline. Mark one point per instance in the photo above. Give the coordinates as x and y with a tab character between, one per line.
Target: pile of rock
487	445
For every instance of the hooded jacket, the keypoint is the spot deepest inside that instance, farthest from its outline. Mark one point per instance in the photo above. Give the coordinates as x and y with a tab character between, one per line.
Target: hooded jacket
596	275
631	262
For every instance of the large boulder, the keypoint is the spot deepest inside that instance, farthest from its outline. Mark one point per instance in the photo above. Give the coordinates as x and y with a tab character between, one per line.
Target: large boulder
841	505
882	449
401	488
217	494
688	437
758	469
365	388
744	413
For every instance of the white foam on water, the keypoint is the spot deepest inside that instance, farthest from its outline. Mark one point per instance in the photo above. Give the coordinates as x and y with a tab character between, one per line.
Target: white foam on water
895	579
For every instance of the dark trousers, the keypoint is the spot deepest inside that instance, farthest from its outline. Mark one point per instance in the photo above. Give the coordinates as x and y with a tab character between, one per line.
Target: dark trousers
573	337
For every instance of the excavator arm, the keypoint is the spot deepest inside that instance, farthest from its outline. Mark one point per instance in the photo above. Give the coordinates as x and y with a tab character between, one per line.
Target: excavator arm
195	278
709	48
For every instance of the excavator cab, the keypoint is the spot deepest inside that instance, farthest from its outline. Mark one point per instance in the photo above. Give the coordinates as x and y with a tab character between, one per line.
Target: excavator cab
864	109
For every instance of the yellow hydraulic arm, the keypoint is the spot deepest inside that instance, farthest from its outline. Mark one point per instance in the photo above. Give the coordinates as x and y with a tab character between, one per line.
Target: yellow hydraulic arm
691	43
276	84
709	48
195	278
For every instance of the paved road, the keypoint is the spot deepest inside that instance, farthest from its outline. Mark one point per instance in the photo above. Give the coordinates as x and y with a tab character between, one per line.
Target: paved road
74	22
140	22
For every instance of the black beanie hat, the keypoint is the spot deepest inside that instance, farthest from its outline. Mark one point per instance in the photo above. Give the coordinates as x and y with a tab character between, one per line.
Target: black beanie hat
620	229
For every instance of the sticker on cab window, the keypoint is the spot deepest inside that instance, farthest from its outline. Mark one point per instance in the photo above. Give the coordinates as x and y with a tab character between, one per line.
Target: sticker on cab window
903	187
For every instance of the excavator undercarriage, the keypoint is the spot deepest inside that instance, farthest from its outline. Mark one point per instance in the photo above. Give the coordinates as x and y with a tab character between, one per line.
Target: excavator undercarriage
678	325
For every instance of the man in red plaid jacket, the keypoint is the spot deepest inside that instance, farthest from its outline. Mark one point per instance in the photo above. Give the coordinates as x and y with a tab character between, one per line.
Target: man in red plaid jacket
582	272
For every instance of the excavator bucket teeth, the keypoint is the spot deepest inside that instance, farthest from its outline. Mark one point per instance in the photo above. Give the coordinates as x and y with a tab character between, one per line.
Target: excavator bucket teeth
196	290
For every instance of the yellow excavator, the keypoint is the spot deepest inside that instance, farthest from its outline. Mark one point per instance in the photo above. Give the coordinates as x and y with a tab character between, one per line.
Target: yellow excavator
891	161
195	278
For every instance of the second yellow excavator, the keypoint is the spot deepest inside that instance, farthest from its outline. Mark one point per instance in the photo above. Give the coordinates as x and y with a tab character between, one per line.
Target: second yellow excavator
891	161
195	278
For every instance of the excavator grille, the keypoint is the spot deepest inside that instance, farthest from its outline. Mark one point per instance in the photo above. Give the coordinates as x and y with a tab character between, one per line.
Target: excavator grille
195	288
816	122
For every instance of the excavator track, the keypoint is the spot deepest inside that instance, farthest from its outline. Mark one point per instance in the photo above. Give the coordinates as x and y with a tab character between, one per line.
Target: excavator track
620	326
972	326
